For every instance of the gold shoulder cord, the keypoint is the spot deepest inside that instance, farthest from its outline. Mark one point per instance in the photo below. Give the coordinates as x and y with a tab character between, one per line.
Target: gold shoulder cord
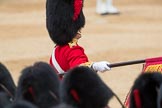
73	43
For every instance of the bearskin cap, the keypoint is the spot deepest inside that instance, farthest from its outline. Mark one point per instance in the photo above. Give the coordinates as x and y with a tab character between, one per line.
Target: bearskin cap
6	81
63	105
5	99
145	90
64	18
83	88
21	104
39	84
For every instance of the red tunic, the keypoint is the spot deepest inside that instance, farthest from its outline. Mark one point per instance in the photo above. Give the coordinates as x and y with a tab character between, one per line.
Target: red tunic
68	56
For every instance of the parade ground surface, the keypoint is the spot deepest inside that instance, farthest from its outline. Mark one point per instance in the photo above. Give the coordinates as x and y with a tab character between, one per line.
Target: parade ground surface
136	33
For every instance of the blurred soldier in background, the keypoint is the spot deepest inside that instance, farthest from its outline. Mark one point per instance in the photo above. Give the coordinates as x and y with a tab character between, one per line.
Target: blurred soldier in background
105	7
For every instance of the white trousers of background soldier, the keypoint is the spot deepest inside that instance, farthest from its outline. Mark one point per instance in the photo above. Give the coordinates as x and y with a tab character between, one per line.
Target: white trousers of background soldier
105	7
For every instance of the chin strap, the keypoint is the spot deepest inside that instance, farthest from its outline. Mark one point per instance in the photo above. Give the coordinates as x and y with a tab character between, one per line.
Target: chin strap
7	91
118	99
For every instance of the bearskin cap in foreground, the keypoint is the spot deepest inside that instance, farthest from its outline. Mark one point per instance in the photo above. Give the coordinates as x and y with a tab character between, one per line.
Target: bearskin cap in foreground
63	105
7	84
83	88
39	85
146	91
64	18
5	99
21	104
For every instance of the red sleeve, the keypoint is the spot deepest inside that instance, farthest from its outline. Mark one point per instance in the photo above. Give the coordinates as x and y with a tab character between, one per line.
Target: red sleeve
76	56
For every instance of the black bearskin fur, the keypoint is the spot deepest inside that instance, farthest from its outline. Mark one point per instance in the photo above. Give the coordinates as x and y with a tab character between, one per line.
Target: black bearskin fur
21	104
159	100
7	84
91	90
39	85
59	21
148	85
63	105
5	99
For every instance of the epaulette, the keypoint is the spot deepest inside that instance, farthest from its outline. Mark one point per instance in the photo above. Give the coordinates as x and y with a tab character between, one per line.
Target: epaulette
73	43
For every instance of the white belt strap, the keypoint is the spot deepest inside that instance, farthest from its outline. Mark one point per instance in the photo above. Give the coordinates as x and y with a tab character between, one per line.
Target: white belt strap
55	63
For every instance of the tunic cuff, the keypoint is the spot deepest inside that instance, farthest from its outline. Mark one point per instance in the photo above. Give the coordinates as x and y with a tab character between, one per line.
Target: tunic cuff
89	64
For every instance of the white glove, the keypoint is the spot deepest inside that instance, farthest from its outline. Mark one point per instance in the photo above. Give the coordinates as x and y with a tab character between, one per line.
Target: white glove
101	66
